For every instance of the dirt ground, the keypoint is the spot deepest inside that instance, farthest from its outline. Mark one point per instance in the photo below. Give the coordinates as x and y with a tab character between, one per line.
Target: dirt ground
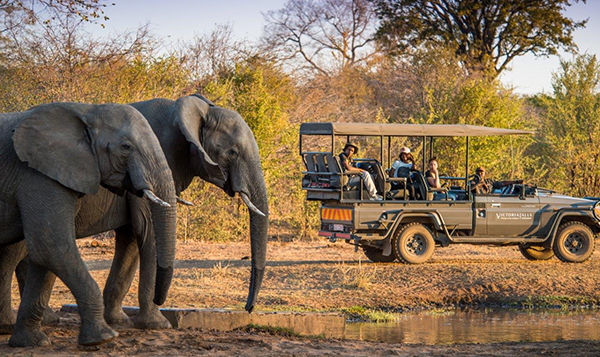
321	276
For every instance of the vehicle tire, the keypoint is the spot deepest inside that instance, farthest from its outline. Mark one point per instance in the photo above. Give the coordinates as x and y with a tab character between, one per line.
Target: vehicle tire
413	244
536	252
574	242
376	255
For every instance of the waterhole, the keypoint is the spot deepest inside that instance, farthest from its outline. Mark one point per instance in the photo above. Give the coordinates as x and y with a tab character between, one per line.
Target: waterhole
481	327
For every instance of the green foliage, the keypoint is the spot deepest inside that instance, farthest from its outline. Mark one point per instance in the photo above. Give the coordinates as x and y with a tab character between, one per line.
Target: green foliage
262	95
487	35
570	129
450	97
434	86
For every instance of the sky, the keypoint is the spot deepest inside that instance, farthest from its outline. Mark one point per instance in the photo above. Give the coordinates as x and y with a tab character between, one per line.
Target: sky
182	19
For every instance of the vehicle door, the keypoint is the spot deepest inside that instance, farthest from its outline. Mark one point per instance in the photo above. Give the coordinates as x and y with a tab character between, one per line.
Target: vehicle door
512	215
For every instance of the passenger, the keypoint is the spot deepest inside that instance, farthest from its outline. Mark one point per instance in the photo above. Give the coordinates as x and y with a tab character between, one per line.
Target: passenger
347	165
483	186
403	167
433	180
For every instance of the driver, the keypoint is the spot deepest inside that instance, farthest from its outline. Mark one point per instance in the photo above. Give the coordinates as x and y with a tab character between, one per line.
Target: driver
347	165
482	185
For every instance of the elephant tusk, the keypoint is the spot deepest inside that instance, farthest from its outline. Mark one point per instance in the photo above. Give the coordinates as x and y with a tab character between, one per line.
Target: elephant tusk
153	198
248	203
184	202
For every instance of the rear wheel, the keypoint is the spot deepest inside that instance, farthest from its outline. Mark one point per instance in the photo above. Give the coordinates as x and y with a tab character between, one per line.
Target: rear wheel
376	255
574	242
536	252
413	244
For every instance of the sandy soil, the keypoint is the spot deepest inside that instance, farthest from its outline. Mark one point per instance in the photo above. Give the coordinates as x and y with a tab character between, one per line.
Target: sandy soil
323	276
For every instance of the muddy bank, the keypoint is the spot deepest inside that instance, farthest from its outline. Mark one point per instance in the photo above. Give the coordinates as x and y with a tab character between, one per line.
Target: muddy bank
189	342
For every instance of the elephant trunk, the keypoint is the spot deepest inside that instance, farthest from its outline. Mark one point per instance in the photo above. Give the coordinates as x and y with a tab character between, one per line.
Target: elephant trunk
164	220
259	225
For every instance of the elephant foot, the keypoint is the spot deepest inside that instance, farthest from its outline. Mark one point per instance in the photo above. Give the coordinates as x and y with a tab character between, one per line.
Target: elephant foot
28	338
50	317
92	334
7	322
116	316
151	320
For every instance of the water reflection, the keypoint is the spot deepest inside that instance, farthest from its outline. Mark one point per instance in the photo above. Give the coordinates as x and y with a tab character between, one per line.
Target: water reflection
481	327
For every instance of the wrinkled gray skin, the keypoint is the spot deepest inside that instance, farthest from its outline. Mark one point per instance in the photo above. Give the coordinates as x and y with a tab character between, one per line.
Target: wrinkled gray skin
191	131
53	159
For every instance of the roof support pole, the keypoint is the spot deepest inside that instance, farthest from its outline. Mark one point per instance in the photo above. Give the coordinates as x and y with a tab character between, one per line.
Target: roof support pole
381	150
431	147
389	152
467	171
332	144
424	153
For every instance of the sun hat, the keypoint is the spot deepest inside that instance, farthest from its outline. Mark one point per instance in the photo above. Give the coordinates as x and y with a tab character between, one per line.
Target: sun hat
349	144
404	150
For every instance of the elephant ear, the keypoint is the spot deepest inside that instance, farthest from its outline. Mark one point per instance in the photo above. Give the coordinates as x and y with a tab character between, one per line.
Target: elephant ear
191	114
54	139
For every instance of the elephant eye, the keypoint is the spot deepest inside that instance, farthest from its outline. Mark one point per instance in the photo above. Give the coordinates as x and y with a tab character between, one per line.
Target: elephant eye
126	147
233	153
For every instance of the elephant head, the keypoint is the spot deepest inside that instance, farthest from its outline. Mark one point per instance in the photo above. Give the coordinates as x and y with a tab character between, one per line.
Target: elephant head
83	146
224	152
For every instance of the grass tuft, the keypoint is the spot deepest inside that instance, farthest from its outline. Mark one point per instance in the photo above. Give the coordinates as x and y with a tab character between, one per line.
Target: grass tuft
360	313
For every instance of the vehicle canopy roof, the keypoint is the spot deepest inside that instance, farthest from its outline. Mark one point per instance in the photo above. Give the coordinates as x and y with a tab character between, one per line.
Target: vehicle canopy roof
431	130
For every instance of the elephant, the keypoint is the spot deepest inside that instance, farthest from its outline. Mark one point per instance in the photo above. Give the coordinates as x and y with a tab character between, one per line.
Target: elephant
56	157
199	139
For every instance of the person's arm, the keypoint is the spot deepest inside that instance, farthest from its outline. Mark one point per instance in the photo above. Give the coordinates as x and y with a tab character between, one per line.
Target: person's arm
393	169
347	166
434	182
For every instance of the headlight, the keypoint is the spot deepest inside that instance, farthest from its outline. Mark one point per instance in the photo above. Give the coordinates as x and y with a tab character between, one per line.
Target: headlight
596	210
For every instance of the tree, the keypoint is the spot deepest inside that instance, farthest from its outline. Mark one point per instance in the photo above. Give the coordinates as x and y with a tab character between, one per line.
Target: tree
487	35
570	130
15	14
324	36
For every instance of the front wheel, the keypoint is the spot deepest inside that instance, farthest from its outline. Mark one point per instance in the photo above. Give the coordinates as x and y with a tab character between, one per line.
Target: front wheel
536	252
413	244
574	242
376	255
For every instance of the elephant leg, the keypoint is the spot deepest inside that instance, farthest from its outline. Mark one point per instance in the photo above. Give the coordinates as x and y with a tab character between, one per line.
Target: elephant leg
73	272
150	316
50	239
121	275
9	258
35	296
50	317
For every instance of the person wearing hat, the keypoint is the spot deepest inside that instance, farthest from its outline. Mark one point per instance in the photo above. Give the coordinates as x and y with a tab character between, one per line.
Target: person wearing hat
482	185
402	167
346	163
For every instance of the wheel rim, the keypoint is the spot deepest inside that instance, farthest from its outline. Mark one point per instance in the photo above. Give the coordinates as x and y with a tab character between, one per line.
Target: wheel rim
575	243
416	245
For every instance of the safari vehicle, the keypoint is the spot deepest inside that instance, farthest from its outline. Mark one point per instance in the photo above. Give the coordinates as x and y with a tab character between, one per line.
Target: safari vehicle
408	223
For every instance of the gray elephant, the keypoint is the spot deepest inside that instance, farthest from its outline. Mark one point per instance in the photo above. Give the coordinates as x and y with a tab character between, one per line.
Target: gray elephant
53	158
198	139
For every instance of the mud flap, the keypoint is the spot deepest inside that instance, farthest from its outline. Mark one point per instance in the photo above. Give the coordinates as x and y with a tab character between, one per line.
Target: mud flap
387	247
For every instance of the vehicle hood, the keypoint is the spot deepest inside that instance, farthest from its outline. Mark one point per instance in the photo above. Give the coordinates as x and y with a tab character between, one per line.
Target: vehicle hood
560	200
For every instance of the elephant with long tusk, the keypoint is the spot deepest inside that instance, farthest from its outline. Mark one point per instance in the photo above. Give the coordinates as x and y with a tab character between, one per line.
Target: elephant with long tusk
198	139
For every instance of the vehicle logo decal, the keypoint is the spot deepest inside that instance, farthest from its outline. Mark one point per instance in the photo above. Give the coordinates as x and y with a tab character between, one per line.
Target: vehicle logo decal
336	214
514	215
